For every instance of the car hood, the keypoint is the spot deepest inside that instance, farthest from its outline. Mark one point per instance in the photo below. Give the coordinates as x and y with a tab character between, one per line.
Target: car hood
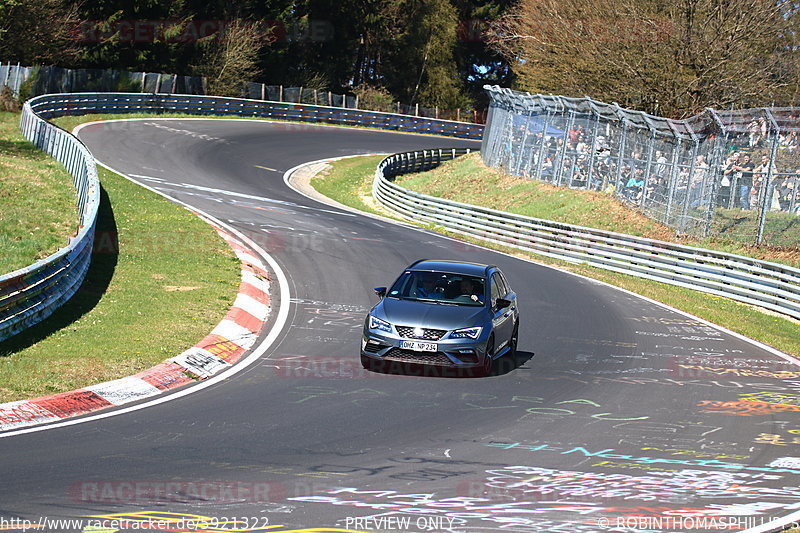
429	315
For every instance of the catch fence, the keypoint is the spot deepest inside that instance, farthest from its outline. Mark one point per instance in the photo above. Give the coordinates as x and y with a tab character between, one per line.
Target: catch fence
734	173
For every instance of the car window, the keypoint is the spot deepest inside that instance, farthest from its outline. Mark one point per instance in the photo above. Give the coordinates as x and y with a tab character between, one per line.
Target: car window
501	286
495	290
506	284
439	287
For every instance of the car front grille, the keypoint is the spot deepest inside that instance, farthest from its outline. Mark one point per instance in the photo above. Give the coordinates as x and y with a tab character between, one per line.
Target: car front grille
427	334
409	356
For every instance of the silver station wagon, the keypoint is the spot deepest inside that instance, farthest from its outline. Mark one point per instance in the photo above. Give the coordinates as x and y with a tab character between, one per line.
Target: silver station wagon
449	314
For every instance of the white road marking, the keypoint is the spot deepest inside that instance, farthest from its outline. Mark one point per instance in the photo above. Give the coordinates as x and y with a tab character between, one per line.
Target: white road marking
280	321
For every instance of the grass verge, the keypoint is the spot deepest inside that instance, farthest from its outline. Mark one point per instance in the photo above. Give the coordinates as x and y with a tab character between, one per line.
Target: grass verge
160	280
466	179
38	210
343	184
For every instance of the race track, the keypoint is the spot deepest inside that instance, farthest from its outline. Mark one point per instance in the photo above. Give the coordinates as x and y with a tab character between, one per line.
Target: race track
618	411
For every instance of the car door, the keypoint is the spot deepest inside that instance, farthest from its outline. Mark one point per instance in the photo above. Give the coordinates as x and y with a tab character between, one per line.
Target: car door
502	319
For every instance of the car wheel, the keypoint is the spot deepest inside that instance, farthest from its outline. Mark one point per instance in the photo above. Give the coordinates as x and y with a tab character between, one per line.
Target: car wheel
488	361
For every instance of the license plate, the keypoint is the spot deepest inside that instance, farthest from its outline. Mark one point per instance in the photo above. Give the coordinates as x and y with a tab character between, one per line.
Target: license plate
418	346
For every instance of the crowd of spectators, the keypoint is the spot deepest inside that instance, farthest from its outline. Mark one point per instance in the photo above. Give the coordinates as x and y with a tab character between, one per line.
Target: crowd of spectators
576	159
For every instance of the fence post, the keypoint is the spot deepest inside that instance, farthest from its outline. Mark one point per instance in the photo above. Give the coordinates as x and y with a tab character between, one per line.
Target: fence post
280	93
767	186
620	157
543	145
673	177
416	109
649	165
561	159
689	177
716	164
524	140
19	79
592	149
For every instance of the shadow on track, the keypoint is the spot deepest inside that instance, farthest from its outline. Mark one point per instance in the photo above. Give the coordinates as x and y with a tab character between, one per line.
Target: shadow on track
502	366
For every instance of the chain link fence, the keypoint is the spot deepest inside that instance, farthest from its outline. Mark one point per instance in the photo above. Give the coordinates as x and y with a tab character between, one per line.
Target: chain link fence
721	173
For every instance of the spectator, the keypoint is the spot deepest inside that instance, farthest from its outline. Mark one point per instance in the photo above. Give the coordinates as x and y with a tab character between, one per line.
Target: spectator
784	189
697	181
728	181
760	175
745	181
661	164
633	187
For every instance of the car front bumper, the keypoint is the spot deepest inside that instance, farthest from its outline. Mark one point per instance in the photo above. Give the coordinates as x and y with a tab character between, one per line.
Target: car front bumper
455	353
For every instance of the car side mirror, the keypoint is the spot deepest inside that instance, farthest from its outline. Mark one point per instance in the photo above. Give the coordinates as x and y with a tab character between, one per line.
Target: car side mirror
502	303
380	291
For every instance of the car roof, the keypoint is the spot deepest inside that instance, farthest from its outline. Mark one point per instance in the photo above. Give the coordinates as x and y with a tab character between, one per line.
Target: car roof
453	267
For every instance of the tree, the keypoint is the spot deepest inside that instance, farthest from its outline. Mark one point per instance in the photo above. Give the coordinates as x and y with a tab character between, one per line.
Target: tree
230	58
429	53
665	58
479	63
40	32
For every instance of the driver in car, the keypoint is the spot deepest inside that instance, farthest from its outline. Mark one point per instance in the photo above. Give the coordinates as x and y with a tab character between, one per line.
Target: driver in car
428	289
467	291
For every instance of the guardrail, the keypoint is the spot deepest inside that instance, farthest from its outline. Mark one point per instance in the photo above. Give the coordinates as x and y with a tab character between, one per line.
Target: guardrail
31	294
762	283
84	103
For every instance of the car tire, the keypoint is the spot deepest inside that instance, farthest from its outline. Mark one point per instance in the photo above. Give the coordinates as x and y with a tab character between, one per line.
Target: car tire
488	361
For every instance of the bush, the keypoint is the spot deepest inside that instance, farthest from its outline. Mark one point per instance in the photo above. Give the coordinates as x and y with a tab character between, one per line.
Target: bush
374	98
7	100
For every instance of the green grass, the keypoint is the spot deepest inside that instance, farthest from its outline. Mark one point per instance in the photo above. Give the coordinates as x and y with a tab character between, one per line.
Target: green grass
468	180
171	282
38	210
343	184
346	184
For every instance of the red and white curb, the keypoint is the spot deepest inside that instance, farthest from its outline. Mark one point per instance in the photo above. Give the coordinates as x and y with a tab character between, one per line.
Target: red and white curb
225	345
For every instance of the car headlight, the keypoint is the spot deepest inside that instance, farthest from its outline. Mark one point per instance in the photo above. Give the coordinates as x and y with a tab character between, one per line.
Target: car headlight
380	325
466	333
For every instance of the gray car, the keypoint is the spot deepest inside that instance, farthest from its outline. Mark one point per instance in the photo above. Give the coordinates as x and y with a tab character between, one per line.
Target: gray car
449	314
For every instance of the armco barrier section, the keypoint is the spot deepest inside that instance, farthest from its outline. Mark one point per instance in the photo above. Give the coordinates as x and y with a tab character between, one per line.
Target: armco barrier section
84	103
762	283
31	294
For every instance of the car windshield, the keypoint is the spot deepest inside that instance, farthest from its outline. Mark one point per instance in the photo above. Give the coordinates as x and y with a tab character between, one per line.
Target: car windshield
439	287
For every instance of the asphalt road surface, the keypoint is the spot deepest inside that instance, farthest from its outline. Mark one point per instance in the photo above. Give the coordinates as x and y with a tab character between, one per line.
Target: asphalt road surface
617	413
